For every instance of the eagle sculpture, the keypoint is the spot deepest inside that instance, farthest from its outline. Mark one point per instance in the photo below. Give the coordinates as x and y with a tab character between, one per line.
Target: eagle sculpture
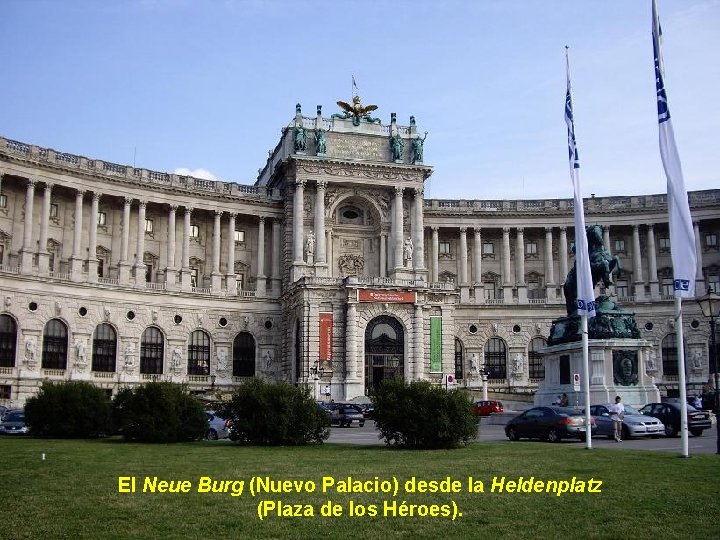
356	111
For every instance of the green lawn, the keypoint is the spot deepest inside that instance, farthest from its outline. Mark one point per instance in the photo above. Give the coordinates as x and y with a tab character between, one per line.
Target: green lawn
73	493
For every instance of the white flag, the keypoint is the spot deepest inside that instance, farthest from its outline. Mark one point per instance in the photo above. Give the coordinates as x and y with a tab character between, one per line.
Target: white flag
682	236
585	289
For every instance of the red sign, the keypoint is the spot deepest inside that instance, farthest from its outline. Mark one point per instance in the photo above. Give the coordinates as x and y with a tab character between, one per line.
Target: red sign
400	297
326	323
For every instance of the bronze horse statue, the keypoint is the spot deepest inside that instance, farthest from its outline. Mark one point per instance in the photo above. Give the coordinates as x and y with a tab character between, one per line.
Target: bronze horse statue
601	266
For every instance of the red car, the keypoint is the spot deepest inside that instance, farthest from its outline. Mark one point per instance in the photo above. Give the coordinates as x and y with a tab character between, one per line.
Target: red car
487	407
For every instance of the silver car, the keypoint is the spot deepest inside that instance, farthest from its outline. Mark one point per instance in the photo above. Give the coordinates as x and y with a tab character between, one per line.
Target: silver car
217	427
634	423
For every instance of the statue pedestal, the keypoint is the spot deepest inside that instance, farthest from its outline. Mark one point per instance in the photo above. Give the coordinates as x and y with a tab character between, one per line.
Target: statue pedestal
617	368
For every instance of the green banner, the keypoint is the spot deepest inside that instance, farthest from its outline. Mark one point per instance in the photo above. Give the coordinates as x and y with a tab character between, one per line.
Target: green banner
436	344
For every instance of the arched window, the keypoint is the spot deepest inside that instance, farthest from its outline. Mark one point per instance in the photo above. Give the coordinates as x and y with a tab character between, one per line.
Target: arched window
199	353
537	368
496	358
55	345
8	341
669	355
458	359
152	350
244	355
104	348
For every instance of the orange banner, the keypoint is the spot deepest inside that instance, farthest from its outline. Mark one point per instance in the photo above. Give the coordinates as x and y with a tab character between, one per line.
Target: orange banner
326	323
401	297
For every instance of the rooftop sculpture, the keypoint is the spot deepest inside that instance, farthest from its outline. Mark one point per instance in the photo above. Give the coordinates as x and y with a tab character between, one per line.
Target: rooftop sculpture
357	111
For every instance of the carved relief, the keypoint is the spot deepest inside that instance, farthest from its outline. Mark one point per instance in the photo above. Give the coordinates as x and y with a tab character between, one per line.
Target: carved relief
351	264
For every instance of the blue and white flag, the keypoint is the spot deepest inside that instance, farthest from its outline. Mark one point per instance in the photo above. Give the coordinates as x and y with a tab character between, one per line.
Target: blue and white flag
682	236
585	289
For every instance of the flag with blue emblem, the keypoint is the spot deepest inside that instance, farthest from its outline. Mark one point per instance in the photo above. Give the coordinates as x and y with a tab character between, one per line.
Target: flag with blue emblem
585	289
682	236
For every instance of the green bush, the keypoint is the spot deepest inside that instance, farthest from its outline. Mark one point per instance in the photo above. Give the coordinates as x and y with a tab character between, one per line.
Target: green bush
72	410
159	412
276	414
420	415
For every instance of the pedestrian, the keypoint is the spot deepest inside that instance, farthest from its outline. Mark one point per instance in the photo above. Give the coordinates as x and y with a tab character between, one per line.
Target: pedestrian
564	401
617	413
697	402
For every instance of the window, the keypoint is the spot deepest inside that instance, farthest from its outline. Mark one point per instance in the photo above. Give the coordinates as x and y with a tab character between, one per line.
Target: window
669	355
711	241
444	248
199	353
564	369
5	391
102	219
3	201
149	226
664	243
101	268
194	277
458	359
55	345
531	248
194	231
2	253
240	282
571	247
8	341
535	363
619	246
488	248
622	288
53	210
667	287
496	358
104	348
239	236
244	355
152	351
713	283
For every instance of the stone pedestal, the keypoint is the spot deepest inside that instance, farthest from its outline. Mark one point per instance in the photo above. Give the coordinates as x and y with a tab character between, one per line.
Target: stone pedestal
618	367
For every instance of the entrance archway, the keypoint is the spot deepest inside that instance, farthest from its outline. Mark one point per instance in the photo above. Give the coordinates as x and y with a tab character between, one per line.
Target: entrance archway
384	351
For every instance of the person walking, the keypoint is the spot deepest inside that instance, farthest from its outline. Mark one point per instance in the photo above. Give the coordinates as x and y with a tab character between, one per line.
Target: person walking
617	413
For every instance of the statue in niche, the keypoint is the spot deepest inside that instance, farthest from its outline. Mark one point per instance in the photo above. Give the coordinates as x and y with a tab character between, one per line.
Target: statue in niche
650	365
319	141
81	353
408	251
176	360
222	360
299	138
397	145
697	358
518	364
30	352
475	364
417	148
310	246
129	355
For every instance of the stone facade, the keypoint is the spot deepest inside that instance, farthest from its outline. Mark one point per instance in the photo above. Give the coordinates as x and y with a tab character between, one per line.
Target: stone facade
332	270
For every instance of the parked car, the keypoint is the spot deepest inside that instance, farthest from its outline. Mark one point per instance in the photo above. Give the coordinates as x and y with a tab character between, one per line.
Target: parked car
368	409
345	414
669	414
548	423
487	407
13	423
218	428
634	423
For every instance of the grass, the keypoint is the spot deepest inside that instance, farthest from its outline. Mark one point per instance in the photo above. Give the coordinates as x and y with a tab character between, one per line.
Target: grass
73	493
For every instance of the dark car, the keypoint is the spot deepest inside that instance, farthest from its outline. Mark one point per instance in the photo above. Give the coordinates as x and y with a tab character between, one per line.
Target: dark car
368	409
487	407
669	414
346	414
548	423
13	423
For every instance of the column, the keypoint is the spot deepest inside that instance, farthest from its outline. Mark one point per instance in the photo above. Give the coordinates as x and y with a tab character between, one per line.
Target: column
520	266
562	255
477	265
549	267
638	280
700	285
606	238
26	251
124	263
76	258
140	251
171	269
215	276
320	249
276	249
185	278
298	234
435	263
230	282
418	229
652	263
351	343
92	260
43	254
383	254
419	356
398	229
462	256
261	283
506	277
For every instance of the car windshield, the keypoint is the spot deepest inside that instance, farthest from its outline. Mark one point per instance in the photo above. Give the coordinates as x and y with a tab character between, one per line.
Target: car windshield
14	417
630	410
568	411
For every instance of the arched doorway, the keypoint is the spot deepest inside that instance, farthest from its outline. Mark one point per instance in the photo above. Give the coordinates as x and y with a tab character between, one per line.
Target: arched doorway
384	351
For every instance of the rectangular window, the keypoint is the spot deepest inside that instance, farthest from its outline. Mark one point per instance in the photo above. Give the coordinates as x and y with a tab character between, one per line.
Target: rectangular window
667	287
240	281
2	253
194	277
3	201
444	248
488	248
621	288
53	210
102	219
713	283
619	246
564	369
5	391
531	248
711	240
101	267
194	231
149	225
239	236
664	243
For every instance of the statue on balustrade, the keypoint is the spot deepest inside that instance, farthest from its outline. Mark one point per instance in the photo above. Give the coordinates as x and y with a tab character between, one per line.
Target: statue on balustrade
417	148
319	141
299	139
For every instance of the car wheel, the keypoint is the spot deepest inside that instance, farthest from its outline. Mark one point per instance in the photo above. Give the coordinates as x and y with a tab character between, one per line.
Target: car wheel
626	433
512	434
670	431
553	436
211	435
696	432
362	424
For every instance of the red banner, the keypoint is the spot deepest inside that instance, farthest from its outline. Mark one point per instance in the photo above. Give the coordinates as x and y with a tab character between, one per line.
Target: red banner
400	297
326	323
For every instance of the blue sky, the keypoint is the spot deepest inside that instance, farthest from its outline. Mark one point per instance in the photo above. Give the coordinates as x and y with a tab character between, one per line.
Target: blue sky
171	84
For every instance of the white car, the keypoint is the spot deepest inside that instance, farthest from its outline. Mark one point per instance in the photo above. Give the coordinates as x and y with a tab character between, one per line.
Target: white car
217	427
634	423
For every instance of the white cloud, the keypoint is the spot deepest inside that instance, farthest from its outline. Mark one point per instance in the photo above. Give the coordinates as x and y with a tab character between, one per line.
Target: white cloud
196	173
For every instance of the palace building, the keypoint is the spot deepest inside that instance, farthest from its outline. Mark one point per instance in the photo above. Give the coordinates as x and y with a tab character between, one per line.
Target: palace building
332	270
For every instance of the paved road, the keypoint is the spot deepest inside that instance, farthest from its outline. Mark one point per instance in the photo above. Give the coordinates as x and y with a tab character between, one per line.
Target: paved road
706	444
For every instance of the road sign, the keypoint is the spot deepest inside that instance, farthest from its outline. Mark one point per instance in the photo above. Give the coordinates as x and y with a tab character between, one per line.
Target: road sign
576	382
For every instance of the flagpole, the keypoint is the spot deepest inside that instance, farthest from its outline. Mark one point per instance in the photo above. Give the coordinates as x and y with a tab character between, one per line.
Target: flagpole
681	377
586	380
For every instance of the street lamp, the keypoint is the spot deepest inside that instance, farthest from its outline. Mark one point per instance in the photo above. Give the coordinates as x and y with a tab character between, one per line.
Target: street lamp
710	306
318	371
